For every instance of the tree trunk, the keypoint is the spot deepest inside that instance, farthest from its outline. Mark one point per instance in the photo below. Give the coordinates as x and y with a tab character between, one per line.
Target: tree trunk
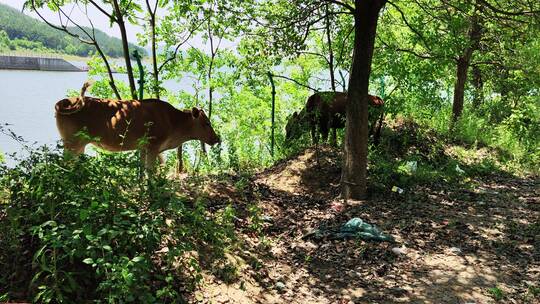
125	47
463	63
330	51
154	55
210	87
354	173
478	84
213	53
272	138
459	87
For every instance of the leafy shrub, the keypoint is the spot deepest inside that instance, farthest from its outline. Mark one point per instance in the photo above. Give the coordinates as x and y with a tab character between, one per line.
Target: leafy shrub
90	228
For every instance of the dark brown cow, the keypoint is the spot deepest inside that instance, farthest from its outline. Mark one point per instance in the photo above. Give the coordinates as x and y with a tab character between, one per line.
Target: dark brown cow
325	111
120	125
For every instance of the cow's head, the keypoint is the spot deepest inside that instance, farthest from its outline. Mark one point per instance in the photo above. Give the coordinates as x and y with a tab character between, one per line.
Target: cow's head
375	101
203	128
296	125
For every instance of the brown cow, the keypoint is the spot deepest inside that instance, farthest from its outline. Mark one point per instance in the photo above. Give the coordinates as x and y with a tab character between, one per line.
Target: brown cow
121	125
326	110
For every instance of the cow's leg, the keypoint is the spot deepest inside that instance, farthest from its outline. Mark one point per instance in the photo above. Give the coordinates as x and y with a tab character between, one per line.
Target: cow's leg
74	150
179	160
160	159
142	165
370	129
333	138
74	146
149	156
377	133
314	136
324	132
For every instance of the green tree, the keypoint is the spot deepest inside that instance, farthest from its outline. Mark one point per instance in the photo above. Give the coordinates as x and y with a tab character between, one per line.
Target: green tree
289	24
458	34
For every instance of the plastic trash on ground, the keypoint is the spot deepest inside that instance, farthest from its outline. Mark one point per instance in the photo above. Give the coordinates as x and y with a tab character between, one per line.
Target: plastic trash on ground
397	189
354	228
412	165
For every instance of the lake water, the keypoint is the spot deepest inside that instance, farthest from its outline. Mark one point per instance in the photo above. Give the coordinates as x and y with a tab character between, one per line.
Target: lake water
27	100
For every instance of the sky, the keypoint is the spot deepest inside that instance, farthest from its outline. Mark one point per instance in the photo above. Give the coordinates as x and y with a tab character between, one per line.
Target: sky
99	20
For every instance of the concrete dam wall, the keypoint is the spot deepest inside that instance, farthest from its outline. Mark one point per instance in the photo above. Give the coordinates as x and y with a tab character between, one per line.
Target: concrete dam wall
36	63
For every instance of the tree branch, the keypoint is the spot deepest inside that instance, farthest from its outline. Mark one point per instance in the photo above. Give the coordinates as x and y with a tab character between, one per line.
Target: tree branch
296	81
426	45
503	12
92	41
102	10
175	53
407	50
343	4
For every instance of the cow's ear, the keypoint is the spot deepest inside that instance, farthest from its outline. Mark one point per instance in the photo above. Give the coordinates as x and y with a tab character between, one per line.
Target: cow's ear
195	112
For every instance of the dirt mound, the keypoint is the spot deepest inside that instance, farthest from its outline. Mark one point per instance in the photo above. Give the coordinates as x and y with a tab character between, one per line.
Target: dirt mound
315	171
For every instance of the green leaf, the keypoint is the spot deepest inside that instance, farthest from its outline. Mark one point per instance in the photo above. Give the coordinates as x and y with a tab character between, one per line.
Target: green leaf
83	214
137	259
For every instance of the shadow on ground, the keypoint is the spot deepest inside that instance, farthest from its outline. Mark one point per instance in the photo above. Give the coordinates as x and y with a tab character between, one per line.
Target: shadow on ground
462	240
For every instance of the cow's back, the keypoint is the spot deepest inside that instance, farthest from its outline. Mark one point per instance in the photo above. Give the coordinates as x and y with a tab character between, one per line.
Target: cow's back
118	124
339	104
327	108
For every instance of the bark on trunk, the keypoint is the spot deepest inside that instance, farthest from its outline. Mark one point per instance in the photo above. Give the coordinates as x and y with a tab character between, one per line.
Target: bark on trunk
459	87
213	53
463	63
210	87
354	173
478	84
330	51
154	55
125	48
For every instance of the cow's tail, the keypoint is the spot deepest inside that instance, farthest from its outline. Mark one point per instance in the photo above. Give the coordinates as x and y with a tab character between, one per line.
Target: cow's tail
85	86
68	106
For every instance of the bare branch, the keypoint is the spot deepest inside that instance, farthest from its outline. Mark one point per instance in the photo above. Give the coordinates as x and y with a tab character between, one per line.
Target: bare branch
343	4
175	53
102	10
422	56
62	28
342	50
296	81
92	40
503	12
313	53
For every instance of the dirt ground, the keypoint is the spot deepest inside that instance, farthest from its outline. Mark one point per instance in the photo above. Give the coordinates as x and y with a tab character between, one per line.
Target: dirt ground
476	244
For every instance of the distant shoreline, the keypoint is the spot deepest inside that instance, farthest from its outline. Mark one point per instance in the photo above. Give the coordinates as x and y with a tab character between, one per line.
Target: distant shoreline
38	64
46	62
67	57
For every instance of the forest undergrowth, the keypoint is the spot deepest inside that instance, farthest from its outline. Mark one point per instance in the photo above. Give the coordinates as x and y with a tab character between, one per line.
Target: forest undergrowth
90	228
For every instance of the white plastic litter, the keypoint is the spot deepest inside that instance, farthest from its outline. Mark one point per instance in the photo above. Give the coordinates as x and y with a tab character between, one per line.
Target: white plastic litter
412	166
397	189
459	170
399	250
